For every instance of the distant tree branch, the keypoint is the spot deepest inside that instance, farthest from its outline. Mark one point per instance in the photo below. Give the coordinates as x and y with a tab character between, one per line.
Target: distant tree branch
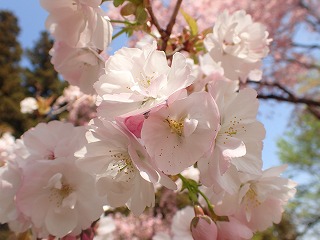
287	96
314	111
311	223
306	65
312	46
313	13
289	99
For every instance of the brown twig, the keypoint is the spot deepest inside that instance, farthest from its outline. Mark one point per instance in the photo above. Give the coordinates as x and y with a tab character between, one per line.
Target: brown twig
299	45
164	33
281	98
171	24
288	96
306	65
154	20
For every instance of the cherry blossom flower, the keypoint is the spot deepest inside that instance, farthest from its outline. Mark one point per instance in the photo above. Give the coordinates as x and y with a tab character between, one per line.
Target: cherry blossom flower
124	170
78	23
239	133
55	195
155	117
177	135
7	146
10	179
53	140
238	44
58	197
10	182
28	105
260	199
79	66
70	94
137	80
81	107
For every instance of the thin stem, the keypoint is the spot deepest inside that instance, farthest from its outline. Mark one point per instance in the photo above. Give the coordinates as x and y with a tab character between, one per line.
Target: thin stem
119	21
209	205
195	190
123	30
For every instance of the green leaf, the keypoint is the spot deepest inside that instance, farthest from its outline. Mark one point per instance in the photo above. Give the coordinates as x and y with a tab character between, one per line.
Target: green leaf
141	14
136	2
191	23
117	3
128	9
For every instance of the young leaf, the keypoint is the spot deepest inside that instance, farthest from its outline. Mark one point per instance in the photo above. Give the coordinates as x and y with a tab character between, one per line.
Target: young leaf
128	9
117	3
141	14
191	23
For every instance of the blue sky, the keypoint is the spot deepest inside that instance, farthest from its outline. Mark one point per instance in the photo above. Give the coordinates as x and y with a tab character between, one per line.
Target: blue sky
31	18
273	115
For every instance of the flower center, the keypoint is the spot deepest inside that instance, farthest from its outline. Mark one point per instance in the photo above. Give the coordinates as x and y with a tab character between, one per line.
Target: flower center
231	129
123	166
250	199
145	80
59	194
51	156
175	126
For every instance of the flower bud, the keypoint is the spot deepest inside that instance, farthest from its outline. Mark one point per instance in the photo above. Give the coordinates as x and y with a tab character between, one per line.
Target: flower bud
203	228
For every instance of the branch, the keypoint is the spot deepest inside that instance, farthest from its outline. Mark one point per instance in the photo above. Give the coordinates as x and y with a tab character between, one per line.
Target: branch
288	96
165	34
281	98
305	45
306	65
170	25
309	225
310	10
178	49
314	111
173	18
154	20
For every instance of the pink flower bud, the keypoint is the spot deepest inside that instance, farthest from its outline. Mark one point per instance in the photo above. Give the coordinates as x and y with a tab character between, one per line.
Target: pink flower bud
134	124
203	228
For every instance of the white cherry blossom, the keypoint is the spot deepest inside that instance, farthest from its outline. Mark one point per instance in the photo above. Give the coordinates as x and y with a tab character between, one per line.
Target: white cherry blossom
239	133
137	80
238	44
260	199
78	23
177	135
56	196
81	67
10	179
125	173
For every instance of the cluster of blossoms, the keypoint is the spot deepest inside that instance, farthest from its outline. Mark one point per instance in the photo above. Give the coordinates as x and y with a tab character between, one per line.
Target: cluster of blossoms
81	107
155	119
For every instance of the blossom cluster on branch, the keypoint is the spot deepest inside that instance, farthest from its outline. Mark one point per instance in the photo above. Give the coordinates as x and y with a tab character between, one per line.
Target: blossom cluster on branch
158	114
